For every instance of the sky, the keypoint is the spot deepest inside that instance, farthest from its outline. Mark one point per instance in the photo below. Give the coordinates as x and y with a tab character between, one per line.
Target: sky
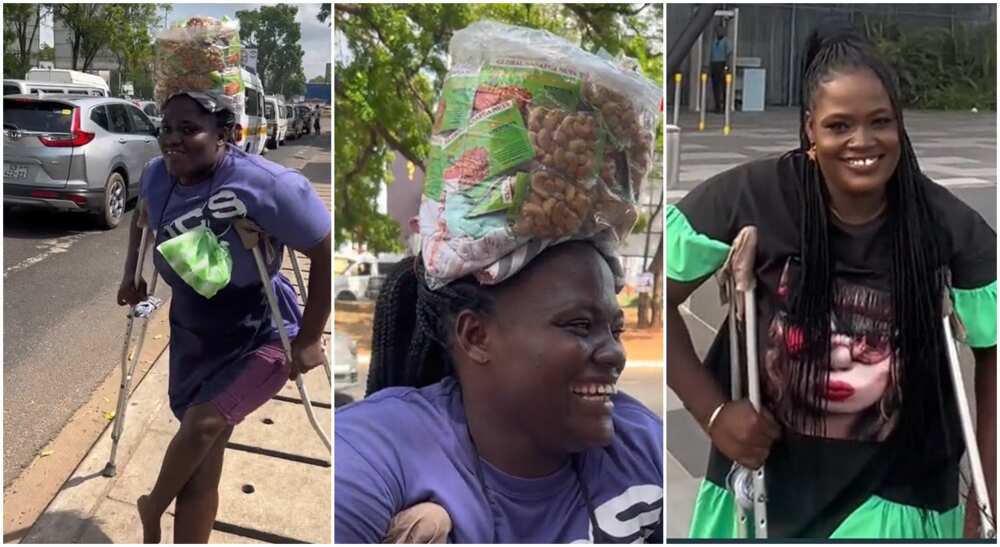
315	40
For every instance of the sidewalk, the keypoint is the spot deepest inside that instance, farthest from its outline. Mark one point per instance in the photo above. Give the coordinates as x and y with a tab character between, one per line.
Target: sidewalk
276	479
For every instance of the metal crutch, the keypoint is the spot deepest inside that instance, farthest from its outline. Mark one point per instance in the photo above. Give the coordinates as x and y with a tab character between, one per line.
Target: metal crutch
142	310
302	290
987	529
737	280
250	236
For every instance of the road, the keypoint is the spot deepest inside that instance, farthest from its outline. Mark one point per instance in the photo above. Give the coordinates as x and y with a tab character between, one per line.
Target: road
62	329
955	149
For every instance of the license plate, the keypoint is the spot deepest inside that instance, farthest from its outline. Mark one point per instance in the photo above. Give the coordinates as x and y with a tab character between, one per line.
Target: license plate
12	171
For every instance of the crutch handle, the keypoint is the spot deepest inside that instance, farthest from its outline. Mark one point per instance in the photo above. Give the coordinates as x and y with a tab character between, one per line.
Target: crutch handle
737	273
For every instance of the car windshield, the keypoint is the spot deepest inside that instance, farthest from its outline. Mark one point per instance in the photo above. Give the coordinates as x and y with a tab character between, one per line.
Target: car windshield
11	89
269	110
32	115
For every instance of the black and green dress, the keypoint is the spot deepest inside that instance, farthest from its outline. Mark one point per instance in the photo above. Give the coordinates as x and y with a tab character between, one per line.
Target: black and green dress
844	482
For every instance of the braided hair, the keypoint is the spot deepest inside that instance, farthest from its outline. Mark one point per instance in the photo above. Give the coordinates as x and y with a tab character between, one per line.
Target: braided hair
411	334
917	279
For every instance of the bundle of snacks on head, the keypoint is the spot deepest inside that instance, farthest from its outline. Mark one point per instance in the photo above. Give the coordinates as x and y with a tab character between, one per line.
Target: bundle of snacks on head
200	54
535	142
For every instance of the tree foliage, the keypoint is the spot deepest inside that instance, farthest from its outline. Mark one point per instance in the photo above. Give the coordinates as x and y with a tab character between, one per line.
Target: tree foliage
273	31
391	67
132	43
20	30
88	31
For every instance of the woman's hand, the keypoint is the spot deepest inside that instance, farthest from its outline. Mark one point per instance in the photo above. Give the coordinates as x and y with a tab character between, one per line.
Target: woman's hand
307	354
129	295
744	435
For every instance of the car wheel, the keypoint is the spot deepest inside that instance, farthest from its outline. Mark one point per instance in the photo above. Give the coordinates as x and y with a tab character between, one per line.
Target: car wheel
347	296
115	198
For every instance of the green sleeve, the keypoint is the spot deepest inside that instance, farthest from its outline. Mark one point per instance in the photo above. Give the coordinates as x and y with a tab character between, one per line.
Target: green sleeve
978	310
690	255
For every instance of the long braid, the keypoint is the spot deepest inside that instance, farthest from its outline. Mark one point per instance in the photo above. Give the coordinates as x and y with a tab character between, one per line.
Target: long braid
412	326
916	271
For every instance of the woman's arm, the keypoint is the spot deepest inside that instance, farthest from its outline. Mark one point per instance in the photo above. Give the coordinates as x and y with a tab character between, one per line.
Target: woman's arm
307	349
739	432
986	433
686	376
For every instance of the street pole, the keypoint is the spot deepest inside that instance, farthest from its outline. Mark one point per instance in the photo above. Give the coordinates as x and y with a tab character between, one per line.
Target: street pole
677	96
701	121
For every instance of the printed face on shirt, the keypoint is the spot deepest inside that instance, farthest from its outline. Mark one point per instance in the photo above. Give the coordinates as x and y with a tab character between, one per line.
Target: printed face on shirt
856	392
855	131
556	351
189	139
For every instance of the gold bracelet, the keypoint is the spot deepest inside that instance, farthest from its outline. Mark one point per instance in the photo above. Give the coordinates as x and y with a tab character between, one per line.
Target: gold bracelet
715	414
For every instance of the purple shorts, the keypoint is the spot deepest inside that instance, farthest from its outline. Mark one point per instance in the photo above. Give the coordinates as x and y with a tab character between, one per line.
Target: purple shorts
265	374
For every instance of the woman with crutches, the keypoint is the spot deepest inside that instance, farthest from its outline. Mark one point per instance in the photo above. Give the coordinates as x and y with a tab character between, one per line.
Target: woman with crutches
860	429
226	355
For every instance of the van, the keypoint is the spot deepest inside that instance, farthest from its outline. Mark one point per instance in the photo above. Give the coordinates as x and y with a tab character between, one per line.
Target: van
277	122
26	87
250	132
363	275
65	76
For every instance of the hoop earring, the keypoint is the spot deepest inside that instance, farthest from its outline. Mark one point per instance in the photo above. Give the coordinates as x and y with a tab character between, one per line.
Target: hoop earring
812	152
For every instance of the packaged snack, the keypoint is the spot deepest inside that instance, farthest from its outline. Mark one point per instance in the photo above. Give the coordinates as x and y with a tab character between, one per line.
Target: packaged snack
533	139
200	54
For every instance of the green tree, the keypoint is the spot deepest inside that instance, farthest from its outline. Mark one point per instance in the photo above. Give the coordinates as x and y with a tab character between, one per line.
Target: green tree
273	31
392	66
47	53
20	29
88	31
321	79
132	44
324	13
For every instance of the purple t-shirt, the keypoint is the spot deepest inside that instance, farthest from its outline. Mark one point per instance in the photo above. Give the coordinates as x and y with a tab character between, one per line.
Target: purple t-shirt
210	338
403	446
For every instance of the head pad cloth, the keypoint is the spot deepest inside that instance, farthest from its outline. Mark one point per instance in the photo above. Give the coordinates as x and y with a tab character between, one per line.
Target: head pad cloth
535	142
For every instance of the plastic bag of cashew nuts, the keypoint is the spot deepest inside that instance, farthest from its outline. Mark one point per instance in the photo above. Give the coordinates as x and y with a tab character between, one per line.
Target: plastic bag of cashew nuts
534	142
200	54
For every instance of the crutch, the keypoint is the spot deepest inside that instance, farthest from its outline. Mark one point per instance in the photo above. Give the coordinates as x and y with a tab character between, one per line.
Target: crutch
302	290
250	236
142	310
951	324
737	284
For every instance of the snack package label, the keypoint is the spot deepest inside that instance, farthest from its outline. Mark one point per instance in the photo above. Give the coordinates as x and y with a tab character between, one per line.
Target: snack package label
434	181
540	84
495	140
455	104
496	197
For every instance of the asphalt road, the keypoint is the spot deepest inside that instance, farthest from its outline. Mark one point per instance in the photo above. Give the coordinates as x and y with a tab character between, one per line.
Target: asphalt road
62	328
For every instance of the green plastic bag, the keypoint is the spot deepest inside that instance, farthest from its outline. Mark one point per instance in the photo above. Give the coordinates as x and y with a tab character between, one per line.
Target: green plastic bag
200	259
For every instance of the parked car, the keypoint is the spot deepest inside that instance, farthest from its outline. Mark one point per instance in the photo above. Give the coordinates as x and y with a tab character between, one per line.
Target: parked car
26	87
151	110
66	76
295	122
75	153
345	361
251	126
362	276
305	113
277	122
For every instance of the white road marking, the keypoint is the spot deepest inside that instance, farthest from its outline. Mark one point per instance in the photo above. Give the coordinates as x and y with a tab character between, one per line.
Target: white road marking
49	248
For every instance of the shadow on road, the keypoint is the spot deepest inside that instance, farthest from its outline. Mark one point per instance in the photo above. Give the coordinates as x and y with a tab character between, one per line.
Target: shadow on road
36	223
64	527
